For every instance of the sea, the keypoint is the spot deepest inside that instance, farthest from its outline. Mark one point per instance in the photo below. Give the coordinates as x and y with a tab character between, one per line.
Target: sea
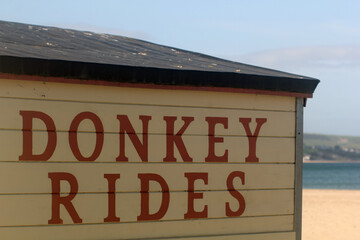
331	176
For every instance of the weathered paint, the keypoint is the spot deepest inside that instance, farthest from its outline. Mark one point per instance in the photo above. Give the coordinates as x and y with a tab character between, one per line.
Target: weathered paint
116	162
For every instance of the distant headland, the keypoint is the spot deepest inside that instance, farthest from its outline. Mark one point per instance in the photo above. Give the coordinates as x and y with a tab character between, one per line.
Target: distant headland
331	148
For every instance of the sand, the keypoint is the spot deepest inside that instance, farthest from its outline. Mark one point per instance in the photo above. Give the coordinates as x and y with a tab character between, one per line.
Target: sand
331	215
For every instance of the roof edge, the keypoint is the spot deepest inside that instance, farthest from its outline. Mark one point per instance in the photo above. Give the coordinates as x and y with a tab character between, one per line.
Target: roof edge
119	75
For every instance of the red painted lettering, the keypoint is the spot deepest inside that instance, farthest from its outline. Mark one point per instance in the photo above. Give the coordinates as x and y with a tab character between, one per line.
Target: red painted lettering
252	137
73	141
145	208
111	178
56	177
239	197
191	213
176	139
27	130
126	127
212	121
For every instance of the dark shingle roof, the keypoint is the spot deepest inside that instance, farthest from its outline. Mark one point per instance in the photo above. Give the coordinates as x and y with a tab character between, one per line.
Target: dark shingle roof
48	51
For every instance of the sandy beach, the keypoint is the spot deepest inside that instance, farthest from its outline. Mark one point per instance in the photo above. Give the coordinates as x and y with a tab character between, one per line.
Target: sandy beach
331	214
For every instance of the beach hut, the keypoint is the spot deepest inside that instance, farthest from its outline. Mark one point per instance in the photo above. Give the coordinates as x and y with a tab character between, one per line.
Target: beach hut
108	137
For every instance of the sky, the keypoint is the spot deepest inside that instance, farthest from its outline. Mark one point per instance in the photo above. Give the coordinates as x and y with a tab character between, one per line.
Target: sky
319	39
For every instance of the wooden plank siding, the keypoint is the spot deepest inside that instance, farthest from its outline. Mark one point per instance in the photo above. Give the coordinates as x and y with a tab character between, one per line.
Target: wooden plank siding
258	176
27	193
279	123
258	236
273	149
90	93
156	230
33	209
